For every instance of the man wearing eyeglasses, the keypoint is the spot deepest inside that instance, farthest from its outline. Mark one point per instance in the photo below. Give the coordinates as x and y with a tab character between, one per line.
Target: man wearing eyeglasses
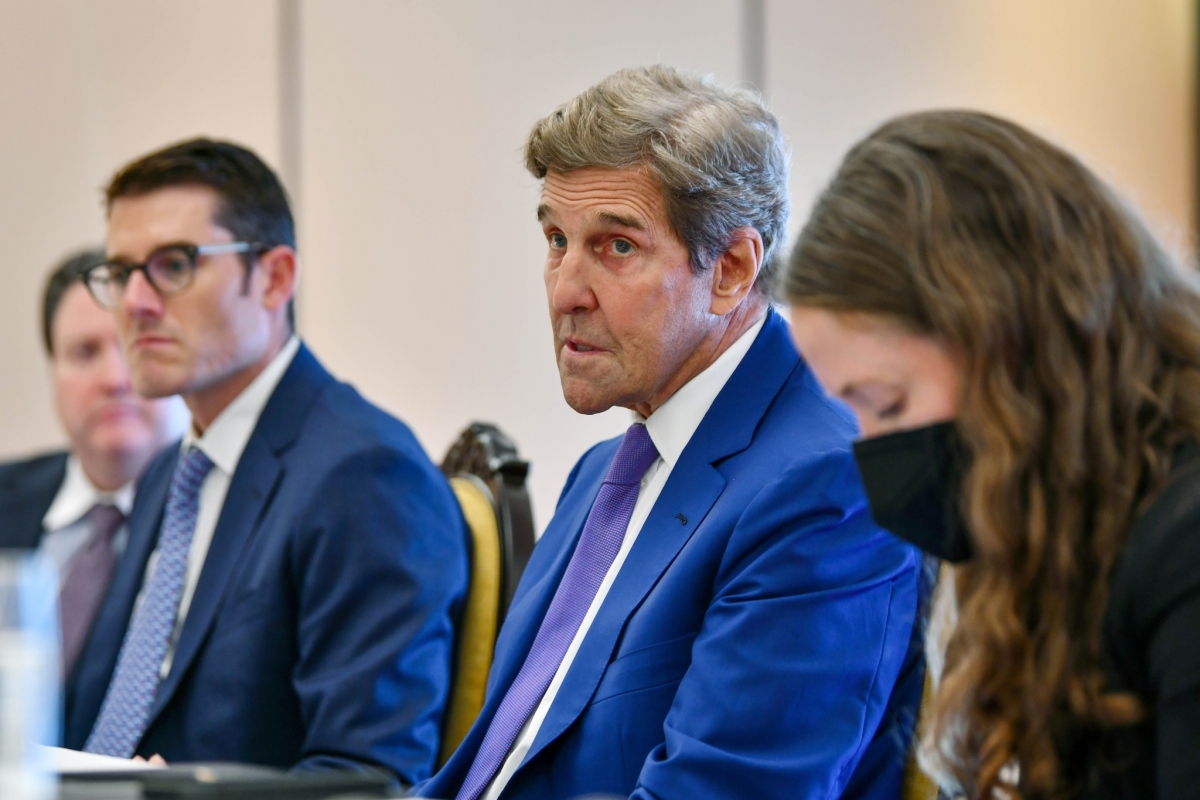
294	567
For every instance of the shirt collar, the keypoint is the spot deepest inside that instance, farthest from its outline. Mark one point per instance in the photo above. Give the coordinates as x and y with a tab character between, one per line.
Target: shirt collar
78	495
225	439
672	425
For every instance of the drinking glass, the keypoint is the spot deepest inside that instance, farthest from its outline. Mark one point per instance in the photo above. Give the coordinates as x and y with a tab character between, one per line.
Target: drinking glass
30	691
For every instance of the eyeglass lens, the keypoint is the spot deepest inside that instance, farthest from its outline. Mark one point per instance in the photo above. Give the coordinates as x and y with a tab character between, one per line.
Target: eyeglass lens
169	270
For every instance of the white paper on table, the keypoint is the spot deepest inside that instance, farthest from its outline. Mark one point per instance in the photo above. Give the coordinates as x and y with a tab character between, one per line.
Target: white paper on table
67	762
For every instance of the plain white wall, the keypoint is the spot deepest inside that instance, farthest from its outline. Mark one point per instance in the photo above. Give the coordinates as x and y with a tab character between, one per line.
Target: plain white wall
1111	81
84	87
421	257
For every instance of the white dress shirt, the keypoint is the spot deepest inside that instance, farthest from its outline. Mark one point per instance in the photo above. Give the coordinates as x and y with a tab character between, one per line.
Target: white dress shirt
223	442
670	428
66	523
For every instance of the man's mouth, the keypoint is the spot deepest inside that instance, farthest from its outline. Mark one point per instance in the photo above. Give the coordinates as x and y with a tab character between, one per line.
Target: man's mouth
113	411
576	346
151	339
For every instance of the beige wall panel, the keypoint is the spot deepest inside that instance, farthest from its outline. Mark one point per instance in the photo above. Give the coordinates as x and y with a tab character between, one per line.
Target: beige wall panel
422	260
1111	80
422	257
85	86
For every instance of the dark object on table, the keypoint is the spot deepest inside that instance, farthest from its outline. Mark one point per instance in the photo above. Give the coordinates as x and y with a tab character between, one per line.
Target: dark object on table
218	781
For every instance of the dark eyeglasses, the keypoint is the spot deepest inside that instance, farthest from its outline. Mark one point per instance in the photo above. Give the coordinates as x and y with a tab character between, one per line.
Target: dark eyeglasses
169	270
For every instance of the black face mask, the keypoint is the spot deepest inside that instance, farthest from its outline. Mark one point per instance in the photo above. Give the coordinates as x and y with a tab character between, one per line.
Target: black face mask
913	480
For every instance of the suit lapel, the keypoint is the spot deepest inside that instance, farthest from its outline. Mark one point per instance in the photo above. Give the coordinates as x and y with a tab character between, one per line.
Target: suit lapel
526	616
27	496
251	489
24	523
690	492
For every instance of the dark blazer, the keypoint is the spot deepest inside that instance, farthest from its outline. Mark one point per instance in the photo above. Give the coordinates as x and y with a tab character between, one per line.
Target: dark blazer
751	642
1152	645
27	488
321	630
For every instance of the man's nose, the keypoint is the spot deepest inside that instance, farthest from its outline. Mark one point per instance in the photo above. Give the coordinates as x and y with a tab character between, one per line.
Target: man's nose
114	370
140	299
569	287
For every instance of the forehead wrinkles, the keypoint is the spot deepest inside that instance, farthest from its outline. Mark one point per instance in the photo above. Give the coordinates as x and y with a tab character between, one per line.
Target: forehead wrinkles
591	192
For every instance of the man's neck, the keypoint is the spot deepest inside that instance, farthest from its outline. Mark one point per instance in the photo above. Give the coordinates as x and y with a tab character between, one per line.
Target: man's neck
732	328
108	473
207	405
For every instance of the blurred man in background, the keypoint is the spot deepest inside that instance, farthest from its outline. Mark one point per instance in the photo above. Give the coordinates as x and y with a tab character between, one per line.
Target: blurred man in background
299	560
73	504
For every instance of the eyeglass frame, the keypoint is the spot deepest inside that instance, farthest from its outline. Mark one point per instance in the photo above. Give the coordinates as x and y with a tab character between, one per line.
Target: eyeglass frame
193	253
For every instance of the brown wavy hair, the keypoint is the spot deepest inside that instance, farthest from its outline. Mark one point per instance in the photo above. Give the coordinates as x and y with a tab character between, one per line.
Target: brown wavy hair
1080	340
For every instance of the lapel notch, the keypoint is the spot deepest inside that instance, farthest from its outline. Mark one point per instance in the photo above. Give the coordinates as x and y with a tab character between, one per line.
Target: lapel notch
251	489
691	490
250	492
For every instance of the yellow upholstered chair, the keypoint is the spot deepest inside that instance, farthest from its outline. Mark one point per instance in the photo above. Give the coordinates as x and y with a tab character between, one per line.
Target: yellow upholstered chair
480	619
488	479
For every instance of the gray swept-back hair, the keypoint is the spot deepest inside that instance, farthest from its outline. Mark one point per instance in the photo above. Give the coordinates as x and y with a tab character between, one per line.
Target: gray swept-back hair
717	153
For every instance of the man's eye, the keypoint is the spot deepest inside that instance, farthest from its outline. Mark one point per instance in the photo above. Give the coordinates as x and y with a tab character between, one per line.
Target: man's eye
119	274
557	241
169	264
622	247
892	411
82	353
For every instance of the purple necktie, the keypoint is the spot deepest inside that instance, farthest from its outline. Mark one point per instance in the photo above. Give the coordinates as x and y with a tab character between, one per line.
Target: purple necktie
598	545
87	581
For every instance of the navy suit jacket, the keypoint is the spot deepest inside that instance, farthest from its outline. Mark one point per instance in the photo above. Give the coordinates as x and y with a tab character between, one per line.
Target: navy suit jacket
27	488
322	627
751	642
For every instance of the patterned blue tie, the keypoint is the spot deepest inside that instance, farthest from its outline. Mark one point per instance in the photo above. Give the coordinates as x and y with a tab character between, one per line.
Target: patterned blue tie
598	545
126	709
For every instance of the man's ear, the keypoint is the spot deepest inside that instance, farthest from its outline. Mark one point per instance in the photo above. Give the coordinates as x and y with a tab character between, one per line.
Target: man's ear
735	271
278	268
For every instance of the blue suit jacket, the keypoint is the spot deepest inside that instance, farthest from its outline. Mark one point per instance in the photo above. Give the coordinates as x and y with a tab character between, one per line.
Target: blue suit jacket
27	488
750	644
322	627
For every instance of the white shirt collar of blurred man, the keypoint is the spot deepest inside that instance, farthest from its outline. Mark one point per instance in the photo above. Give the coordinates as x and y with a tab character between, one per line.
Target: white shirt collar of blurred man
78	495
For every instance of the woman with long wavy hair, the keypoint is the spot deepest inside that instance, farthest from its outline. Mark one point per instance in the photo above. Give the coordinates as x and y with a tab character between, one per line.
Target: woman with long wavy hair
1024	361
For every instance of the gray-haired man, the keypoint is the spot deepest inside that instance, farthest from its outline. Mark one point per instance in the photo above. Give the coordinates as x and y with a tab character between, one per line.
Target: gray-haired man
711	612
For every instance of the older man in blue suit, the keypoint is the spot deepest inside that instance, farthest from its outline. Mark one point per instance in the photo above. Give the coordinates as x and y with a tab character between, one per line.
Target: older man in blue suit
711	612
288	593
